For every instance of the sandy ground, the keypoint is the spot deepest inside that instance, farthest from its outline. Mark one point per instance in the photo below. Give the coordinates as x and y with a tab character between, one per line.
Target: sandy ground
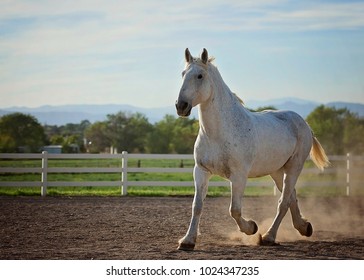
150	227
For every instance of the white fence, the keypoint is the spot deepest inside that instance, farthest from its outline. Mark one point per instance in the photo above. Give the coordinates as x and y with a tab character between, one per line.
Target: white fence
347	169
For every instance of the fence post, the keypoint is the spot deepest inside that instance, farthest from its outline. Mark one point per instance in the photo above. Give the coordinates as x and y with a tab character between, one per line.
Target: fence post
44	180
124	173
348	174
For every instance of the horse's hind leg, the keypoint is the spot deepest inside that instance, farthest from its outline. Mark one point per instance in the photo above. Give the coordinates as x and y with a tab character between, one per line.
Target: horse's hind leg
201	178
284	203
301	224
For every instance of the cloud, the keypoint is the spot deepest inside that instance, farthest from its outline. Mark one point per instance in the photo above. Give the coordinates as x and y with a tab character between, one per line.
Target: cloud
319	17
283	16
69	27
81	48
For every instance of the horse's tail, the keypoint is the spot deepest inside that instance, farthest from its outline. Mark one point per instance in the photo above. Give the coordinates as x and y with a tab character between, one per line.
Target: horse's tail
318	154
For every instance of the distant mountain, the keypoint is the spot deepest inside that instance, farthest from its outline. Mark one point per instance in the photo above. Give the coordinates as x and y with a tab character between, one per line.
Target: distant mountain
301	106
353	107
60	115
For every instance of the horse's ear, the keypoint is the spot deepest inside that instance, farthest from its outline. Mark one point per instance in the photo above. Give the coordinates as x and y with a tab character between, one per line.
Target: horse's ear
204	56
188	56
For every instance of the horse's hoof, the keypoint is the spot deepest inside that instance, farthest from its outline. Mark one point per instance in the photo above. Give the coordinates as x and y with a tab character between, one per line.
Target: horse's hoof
309	230
266	242
186	247
255	227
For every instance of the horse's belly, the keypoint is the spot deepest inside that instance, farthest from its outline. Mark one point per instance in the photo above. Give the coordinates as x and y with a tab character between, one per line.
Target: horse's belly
271	159
265	168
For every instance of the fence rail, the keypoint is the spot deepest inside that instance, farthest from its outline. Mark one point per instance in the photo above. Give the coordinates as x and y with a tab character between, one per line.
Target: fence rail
347	169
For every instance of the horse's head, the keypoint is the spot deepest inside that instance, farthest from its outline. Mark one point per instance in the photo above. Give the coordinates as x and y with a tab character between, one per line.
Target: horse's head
196	83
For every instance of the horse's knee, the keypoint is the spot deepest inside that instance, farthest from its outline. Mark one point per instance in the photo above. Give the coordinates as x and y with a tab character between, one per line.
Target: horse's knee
197	208
283	205
197	211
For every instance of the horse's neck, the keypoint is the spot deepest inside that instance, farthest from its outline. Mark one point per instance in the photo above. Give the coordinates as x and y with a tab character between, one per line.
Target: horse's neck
222	110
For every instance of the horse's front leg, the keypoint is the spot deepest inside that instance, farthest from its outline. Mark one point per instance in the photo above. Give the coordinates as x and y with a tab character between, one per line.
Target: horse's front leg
201	178
237	191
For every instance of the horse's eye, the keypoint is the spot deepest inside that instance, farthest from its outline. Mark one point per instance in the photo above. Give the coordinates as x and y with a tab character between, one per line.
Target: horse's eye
199	77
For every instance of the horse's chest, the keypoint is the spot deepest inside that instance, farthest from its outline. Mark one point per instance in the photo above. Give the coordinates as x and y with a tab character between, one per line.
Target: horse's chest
215	158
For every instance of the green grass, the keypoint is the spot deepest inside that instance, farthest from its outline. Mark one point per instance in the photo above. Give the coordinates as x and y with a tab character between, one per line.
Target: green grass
132	191
266	189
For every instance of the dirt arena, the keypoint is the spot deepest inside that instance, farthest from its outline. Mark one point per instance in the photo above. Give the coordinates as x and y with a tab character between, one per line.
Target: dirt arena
149	228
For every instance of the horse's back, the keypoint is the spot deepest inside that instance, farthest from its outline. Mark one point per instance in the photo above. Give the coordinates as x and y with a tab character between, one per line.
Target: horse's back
283	121
280	115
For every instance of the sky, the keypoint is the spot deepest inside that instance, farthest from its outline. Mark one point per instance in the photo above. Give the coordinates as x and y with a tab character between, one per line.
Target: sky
132	52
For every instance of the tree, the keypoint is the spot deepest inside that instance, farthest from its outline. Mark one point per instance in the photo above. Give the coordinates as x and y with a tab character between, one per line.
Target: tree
173	135
128	132
97	138
260	109
21	133
184	135
353	140
339	130
71	136
161	136
56	139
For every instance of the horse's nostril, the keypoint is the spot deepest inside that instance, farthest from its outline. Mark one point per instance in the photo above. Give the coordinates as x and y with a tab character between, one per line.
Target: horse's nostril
183	105
183	108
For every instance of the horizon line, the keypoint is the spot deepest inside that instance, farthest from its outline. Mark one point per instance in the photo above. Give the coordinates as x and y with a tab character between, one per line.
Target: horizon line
283	99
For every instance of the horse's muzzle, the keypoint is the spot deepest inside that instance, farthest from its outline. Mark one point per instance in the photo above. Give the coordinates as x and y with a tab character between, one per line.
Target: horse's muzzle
183	108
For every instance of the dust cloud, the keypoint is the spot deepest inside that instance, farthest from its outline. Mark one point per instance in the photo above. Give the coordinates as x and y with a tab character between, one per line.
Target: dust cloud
332	218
